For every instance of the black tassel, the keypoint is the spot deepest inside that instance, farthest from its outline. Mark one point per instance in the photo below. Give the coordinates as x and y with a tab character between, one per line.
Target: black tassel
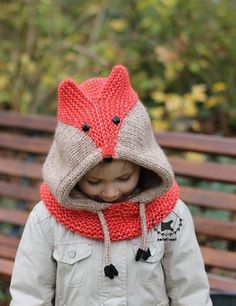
142	254
110	271
139	254
146	254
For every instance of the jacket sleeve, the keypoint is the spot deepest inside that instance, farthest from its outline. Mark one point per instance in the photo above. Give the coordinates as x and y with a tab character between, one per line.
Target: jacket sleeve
33	278
186	279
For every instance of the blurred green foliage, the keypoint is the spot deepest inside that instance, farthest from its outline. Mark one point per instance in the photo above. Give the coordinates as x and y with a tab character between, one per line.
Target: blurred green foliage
180	54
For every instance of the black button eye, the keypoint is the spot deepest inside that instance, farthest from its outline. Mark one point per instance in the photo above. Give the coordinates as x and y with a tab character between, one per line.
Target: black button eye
85	127
116	120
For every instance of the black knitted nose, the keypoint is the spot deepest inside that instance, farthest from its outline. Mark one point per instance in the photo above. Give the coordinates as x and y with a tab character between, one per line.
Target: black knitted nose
108	158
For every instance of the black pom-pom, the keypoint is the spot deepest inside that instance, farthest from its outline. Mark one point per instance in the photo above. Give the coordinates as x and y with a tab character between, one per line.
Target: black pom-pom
142	254
139	254
114	270
110	271
146	254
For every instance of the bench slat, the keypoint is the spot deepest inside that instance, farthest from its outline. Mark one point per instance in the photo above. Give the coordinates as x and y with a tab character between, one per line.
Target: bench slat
30	122
18	192
208	198
224	284
175	140
209	171
219	258
9	241
13	216
215	228
197	143
24	143
205	226
220	283
6	267
212	257
190	195
7	252
20	168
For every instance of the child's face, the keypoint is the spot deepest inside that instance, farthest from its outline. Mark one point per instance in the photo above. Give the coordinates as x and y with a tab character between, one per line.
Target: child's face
109	182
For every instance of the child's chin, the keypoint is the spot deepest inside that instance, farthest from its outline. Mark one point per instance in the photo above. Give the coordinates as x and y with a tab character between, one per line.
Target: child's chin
119	200
110	202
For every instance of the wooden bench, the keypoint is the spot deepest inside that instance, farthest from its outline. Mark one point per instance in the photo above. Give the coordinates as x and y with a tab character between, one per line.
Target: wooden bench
207	186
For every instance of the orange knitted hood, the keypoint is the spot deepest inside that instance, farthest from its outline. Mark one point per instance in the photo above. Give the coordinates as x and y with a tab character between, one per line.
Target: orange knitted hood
102	119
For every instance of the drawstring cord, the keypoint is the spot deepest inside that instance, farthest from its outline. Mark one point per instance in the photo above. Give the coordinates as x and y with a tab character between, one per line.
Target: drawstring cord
109	270
143	225
142	253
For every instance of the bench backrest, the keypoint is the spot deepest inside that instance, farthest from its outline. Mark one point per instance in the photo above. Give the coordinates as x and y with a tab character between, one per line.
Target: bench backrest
205	167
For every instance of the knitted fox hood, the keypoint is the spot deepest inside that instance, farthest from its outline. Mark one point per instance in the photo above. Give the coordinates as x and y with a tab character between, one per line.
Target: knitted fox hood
103	119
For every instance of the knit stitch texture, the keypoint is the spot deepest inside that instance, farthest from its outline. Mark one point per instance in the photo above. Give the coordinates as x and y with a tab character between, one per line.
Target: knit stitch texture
103	117
123	219
95	102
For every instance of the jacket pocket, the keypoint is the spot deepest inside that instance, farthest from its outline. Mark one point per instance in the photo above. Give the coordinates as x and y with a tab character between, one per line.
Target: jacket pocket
72	262
151	269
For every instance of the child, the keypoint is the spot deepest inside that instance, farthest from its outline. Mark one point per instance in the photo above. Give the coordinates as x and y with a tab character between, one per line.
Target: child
110	229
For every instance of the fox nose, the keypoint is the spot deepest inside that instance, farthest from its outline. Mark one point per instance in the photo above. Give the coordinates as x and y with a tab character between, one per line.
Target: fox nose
108	158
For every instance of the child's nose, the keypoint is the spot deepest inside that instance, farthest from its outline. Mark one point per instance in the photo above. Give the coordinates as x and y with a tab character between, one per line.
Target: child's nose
110	192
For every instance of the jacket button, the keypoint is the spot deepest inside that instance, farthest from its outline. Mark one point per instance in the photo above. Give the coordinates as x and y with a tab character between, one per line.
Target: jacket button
85	127
72	254
116	120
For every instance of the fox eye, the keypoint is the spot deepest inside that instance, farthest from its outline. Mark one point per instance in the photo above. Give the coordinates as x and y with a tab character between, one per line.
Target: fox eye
116	120
85	127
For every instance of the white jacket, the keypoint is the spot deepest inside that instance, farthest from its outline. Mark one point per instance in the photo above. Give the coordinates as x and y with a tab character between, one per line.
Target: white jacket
54	266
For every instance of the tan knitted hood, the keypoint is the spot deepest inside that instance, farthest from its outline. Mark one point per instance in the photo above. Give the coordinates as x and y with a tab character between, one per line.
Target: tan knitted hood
102	118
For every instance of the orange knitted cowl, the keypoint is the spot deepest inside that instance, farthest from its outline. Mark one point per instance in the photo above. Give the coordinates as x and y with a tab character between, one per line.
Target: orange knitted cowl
123	219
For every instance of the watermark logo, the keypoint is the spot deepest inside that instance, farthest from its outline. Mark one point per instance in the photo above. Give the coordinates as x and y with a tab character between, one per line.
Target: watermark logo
167	231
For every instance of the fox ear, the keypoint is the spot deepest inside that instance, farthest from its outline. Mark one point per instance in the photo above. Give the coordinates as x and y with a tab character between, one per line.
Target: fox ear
118	83
120	73
69	96
66	86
